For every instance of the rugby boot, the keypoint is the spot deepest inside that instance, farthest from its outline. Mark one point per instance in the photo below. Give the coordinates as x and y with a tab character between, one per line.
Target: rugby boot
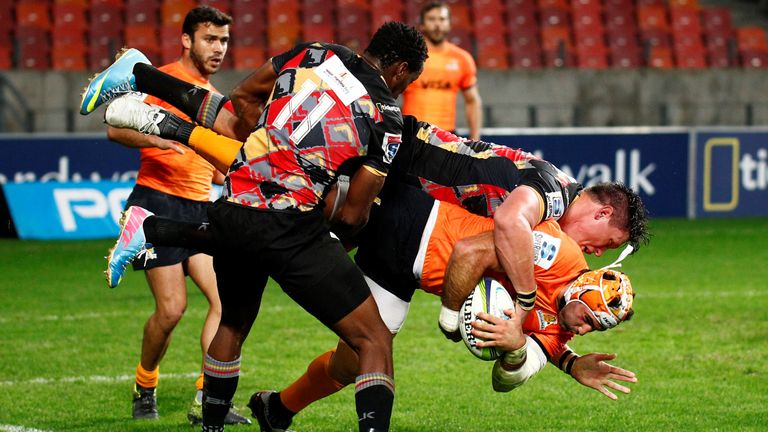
131	113
131	243
114	81
195	415
144	403
259	405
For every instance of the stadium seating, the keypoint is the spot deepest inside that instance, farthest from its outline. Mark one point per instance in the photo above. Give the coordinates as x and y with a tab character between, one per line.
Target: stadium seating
598	34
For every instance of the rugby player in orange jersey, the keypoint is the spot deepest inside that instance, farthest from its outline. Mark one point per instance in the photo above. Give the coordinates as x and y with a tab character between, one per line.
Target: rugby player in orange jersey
406	246
448	71
174	183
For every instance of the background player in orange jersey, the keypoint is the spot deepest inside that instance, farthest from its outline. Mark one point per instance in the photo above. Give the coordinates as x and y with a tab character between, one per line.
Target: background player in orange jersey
406	246
448	71
177	184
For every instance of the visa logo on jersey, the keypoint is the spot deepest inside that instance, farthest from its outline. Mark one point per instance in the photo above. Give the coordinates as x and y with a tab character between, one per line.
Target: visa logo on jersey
49	211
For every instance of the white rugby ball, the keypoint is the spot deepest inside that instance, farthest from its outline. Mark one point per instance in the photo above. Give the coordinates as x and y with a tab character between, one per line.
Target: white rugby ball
491	297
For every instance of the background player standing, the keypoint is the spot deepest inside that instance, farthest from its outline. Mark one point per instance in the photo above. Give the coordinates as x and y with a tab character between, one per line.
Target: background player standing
448	71
175	183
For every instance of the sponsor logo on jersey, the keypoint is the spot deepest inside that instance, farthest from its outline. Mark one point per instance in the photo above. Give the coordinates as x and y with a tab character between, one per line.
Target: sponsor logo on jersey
545	319
555	205
452	66
545	248
390	146
384	107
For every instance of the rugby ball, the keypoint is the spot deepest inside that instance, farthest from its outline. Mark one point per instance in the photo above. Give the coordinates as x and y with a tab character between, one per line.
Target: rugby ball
491	297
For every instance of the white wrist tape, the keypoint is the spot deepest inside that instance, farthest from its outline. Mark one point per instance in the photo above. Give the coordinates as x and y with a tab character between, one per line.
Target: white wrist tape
504	380
449	319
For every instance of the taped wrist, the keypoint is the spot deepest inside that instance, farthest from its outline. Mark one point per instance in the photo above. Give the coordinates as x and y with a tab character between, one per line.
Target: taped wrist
513	360
342	186
566	361
526	300
449	319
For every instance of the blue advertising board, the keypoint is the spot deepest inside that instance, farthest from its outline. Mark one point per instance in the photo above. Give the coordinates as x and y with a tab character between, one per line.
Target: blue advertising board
655	165
59	211
65	158
732	173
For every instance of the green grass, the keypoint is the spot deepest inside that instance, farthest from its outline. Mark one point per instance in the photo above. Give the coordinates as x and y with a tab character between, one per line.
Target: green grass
698	343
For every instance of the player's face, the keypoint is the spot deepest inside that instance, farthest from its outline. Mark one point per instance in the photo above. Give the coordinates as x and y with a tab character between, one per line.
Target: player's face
208	47
577	318
436	25
596	234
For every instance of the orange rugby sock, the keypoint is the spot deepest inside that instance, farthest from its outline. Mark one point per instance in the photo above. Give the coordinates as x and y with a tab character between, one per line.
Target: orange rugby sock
315	384
217	149
199	382
145	378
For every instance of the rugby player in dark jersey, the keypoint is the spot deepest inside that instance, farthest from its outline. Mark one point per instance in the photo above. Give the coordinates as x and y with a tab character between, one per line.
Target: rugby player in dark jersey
320	108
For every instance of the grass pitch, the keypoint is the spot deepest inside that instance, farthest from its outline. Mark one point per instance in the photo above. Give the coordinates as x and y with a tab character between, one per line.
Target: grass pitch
698	342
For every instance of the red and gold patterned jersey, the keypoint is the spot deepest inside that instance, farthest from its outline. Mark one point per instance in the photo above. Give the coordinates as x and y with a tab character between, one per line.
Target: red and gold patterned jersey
478	175
185	175
432	98
328	108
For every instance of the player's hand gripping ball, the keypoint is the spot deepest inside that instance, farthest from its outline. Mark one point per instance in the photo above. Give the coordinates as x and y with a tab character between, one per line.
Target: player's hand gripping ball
491	297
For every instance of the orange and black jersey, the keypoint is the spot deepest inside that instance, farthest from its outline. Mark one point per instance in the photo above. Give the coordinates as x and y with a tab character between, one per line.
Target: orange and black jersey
477	175
328	108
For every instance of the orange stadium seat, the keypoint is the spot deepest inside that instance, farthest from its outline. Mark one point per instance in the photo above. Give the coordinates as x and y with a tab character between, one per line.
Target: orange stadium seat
693	4
283	12
33	13
173	12
652	17
660	57
247	57
69	57
655	38
751	39
144	38
461	16
492	58
553	38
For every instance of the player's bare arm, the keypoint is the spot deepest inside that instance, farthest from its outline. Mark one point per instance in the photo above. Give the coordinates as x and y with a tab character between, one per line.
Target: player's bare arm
249	98
134	139
514	221
470	259
353	214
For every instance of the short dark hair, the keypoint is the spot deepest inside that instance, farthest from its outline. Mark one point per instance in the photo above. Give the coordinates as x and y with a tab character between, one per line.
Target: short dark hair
396	42
432	5
204	14
629	211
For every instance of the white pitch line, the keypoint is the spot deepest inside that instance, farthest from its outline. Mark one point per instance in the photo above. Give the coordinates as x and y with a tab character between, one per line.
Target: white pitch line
92	379
14	428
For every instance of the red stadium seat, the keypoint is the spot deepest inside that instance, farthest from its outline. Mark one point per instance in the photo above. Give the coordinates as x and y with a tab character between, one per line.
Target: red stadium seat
655	38
529	57
492	58
222	5
589	7
624	58
69	57
660	57
620	20
283	12
587	20
521	19
461	16
692	4
685	21
142	12
643	3
102	50
383	11
592	57
560	58
690	57
719	58
554	17
462	38
716	19
754	59
553	38
67	16
106	20
5	57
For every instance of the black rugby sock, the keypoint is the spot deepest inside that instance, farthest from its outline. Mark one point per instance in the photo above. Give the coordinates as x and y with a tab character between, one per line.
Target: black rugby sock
374	397
161	231
196	102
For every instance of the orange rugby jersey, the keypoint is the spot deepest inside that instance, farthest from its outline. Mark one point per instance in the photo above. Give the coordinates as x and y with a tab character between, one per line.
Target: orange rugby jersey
557	261
187	176
432	97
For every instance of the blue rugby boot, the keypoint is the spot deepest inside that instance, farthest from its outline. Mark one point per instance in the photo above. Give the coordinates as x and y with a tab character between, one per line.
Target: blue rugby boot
130	244
114	81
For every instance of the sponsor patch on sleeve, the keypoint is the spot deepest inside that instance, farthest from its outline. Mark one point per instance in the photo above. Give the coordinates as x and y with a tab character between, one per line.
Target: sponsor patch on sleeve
555	206
346	86
390	146
545	249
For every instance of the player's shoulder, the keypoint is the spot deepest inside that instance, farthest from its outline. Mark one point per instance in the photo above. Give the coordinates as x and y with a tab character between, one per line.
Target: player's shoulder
460	53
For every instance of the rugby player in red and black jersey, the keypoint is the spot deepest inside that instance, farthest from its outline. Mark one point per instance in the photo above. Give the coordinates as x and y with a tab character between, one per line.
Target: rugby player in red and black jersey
320	108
